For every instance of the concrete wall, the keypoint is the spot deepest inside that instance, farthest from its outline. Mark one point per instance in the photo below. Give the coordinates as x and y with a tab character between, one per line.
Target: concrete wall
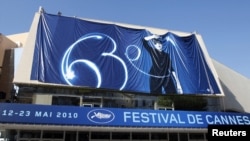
236	88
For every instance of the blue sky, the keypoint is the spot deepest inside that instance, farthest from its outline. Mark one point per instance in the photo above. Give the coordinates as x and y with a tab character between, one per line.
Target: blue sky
223	24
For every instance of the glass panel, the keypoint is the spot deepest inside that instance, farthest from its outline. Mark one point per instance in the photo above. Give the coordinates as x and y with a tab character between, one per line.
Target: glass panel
2	135
30	134
70	136
196	136
120	135
100	135
83	136
11	135
159	136
173	137
183	136
140	136
53	134
66	100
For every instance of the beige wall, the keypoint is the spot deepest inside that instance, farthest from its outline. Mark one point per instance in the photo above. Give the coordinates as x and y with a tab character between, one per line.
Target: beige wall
236	88
6	65
44	99
5	43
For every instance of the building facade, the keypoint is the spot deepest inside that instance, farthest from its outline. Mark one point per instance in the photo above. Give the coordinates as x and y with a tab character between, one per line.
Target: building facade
35	106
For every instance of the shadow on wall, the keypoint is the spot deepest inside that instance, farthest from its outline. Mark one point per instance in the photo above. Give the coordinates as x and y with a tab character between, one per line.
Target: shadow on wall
229	102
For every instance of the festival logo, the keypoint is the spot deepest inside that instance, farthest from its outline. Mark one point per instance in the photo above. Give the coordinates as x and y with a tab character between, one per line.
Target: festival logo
101	116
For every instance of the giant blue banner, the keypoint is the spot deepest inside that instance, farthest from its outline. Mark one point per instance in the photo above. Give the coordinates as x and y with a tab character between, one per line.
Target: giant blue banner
75	52
86	116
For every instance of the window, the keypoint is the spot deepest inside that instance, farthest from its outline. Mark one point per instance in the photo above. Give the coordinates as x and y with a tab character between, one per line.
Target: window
30	134
65	100
183	136
195	136
70	136
120	136
100	135
173	137
53	134
83	136
140	136
159	136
